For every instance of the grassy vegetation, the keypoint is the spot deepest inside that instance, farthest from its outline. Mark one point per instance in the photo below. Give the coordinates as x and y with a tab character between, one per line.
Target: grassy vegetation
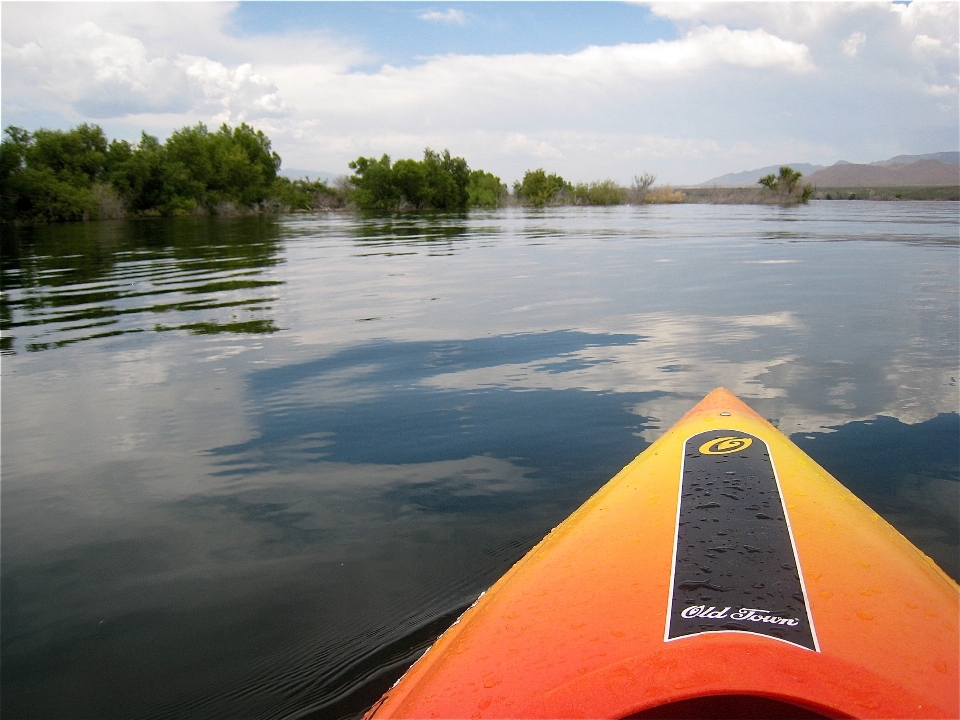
758	196
665	194
934	192
729	196
538	189
786	189
605	192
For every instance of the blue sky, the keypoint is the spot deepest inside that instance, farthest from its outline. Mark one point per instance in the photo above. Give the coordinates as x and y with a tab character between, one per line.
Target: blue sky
399	34
590	90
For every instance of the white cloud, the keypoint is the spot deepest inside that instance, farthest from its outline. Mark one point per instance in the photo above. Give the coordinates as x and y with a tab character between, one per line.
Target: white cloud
926	44
520	143
744	85
935	18
853	43
448	17
530	89
154	63
239	94
100	74
940	90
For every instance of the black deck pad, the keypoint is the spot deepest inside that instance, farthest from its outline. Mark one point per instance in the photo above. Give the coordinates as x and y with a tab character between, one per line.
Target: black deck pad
735	568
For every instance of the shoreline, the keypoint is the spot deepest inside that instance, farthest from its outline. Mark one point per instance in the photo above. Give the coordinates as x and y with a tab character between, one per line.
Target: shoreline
755	196
678	196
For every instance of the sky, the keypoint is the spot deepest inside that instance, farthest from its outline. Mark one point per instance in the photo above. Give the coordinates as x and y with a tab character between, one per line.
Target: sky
589	90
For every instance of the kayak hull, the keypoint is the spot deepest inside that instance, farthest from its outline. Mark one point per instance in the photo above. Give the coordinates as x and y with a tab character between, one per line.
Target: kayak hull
621	610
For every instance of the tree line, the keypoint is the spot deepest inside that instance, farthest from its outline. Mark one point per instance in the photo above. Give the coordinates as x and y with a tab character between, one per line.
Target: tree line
445	182
78	174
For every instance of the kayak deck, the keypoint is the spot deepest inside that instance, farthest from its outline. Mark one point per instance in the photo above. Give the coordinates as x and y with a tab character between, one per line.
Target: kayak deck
722	573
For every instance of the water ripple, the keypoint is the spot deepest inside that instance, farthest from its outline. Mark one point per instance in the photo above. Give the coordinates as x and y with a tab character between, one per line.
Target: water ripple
202	277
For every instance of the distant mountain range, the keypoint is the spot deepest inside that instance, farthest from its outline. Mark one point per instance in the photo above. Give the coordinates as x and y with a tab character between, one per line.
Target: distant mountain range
931	169
750	177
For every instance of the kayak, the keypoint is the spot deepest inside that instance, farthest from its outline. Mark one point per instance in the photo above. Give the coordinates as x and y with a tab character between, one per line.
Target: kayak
721	574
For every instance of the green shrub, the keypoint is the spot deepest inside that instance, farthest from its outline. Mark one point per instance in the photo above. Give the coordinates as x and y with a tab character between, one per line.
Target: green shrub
304	194
438	182
53	175
374	187
447	180
485	190
231	165
787	186
151	182
49	175
539	189
606	192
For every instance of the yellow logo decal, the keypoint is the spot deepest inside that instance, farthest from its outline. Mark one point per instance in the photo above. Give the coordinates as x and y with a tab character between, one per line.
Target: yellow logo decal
725	445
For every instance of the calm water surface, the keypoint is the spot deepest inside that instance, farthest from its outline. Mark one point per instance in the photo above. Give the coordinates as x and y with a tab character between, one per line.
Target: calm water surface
253	467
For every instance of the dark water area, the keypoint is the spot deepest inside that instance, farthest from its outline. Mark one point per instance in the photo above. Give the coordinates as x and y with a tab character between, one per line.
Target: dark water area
253	467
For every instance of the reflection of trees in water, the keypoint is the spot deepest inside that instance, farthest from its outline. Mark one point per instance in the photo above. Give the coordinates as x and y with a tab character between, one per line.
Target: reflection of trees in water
433	230
62	284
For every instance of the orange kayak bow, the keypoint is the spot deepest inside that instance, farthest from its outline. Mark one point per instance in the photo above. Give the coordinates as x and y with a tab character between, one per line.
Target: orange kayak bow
722	573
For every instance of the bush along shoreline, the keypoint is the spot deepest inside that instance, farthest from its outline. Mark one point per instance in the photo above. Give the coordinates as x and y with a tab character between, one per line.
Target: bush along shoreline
56	175
438	182
77	174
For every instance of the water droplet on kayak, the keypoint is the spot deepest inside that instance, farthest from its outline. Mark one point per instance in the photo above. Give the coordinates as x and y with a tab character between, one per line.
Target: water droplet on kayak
725	413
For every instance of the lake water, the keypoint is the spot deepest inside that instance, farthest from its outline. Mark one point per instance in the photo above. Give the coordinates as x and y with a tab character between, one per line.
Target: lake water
253	467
